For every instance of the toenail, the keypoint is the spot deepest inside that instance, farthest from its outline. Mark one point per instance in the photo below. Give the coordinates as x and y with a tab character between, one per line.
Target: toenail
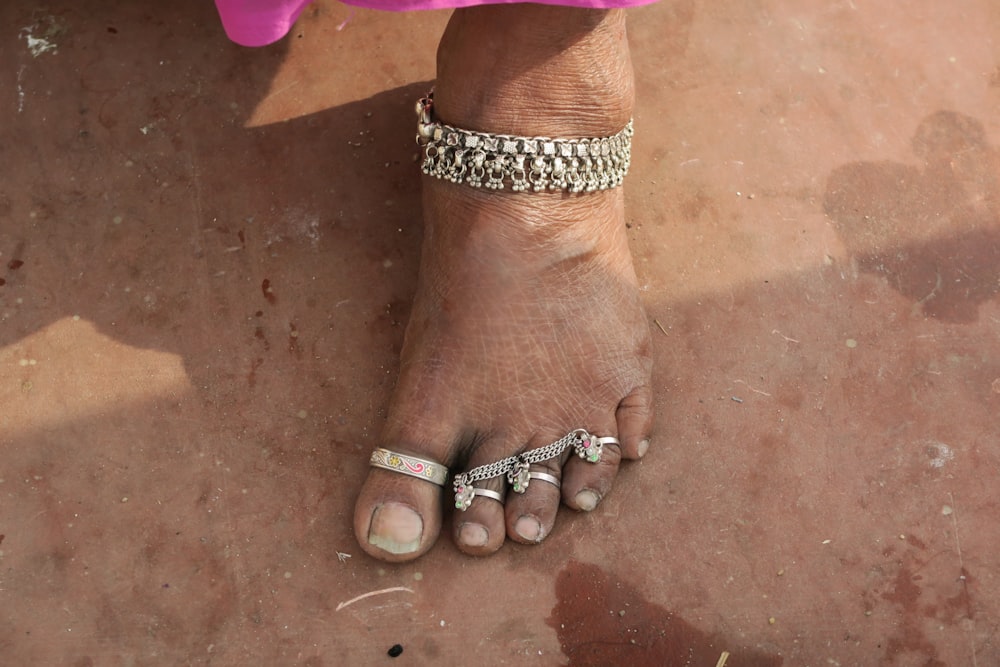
473	535
395	528
643	447
529	529
587	500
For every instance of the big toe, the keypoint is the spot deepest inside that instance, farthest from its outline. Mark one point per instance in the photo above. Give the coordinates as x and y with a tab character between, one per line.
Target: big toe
397	517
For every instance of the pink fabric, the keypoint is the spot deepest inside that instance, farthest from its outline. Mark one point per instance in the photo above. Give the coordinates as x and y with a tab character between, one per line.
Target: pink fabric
260	22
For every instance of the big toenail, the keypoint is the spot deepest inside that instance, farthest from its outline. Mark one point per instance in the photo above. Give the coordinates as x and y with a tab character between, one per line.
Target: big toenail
473	535
643	448
587	500
395	528
529	528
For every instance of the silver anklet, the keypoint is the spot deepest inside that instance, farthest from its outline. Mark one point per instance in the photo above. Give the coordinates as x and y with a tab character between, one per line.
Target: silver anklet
517	468
498	160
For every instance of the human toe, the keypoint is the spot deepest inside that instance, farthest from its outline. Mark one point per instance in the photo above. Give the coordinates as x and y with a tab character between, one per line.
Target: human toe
478	530
531	515
586	482
397	517
634	417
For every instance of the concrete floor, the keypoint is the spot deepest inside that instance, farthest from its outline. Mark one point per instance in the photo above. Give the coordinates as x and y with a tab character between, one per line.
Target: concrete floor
206	259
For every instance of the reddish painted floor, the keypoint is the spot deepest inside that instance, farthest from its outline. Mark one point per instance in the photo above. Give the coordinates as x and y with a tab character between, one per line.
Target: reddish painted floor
206	259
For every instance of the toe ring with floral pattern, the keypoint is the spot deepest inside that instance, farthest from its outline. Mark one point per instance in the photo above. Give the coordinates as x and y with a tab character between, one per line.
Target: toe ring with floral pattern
409	465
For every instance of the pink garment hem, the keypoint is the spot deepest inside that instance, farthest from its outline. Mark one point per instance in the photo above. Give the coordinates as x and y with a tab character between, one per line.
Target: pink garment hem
262	22
258	22
418	5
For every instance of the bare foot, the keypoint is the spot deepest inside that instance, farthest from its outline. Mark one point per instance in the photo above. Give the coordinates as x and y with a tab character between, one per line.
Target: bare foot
527	321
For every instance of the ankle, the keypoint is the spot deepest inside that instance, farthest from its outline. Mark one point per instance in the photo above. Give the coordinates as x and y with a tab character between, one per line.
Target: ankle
523	229
532	70
535	70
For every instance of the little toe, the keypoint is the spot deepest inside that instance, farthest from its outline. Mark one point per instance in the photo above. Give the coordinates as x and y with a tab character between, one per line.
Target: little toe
635	421
585	483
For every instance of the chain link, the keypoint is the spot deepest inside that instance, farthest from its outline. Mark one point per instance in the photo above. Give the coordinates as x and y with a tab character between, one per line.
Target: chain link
488	471
504	466
551	450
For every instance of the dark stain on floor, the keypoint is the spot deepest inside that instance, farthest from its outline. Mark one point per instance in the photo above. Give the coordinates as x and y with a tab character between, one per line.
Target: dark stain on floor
601	620
927	595
951	204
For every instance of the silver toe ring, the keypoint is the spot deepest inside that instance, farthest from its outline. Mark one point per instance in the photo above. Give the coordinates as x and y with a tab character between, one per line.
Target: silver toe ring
409	465
591	447
546	477
465	493
520	476
488	493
